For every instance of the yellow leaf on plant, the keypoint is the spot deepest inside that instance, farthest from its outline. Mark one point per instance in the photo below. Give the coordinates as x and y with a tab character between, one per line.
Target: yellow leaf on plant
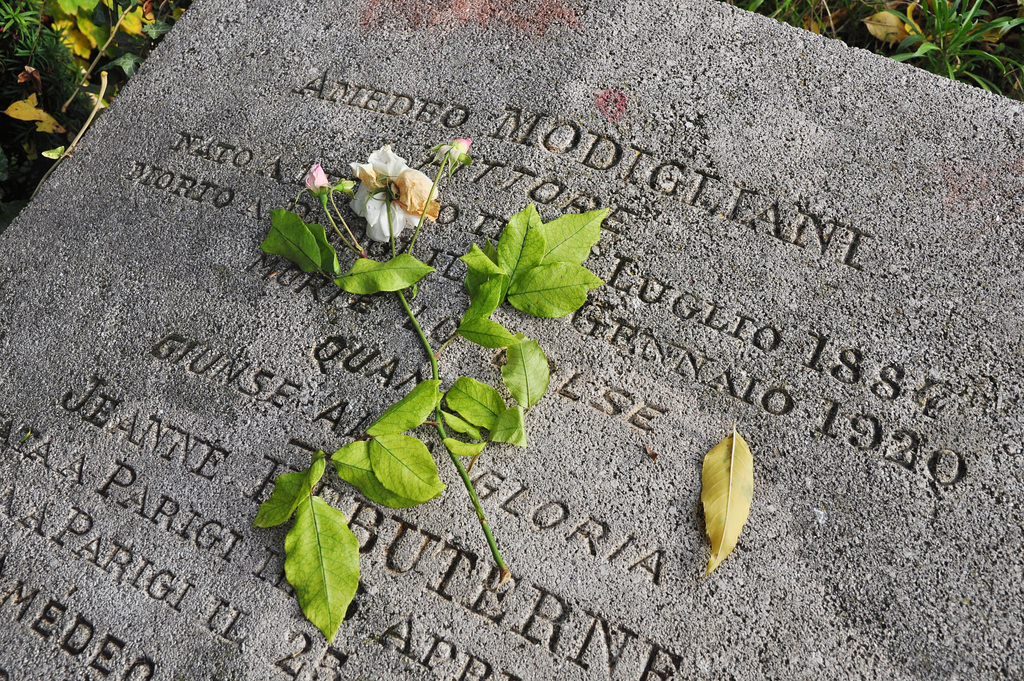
132	22
90	30
887	27
28	110
727	487
74	39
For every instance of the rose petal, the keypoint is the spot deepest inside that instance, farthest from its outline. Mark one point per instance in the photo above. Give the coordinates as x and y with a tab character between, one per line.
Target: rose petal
362	197
413	188
366	174
387	163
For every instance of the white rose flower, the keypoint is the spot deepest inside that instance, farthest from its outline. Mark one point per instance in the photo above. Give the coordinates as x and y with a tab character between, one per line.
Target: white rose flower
373	208
389	172
383	165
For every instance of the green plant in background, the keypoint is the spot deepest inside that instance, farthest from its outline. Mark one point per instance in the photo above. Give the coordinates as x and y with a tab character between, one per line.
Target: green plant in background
52	52
979	44
960	45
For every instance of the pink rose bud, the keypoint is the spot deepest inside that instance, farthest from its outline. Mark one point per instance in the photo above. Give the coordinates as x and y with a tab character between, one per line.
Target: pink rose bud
316	179
454	153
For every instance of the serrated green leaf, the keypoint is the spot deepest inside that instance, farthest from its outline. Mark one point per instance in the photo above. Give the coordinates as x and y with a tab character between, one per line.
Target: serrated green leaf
486	333
570	237
552	290
289	490
322	564
521	246
404	466
352	462
461	426
282	502
369	276
477	402
510	244
490	251
509	427
305	245
459	448
485	301
409	412
480	268
526	373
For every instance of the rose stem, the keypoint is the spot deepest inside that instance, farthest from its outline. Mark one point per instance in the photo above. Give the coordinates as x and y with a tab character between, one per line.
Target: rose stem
323	201
361	251
430	196
504	572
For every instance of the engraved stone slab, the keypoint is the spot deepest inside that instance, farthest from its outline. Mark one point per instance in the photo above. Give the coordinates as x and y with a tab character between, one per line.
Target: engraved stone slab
816	244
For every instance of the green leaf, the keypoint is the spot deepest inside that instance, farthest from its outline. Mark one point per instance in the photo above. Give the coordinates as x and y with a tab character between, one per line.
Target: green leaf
570	237
128	62
486	299
552	290
54	153
526	373
477	402
101	14
490	251
459	448
282	502
369	276
156	29
521	246
460	426
509	427
404	466
305	245
480	268
409	412
352	462
289	491
487	333
322	564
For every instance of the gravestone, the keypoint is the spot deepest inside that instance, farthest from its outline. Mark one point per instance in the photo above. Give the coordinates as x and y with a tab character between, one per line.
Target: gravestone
819	245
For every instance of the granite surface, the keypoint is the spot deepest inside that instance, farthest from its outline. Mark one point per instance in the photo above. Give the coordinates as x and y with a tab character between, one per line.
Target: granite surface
817	244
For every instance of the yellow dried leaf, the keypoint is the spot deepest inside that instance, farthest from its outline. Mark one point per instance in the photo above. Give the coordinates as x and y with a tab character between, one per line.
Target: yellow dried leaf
76	41
727	488
887	27
913	25
89	30
132	23
28	110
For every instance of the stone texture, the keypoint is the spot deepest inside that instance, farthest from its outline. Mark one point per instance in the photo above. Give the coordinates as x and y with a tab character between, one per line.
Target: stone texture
843	284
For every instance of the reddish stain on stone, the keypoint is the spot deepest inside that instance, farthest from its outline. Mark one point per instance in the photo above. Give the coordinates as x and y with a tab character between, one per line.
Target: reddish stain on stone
528	16
611	103
985	194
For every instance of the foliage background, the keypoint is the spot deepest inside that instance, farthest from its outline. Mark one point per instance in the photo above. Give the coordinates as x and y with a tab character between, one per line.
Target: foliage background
973	41
47	48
